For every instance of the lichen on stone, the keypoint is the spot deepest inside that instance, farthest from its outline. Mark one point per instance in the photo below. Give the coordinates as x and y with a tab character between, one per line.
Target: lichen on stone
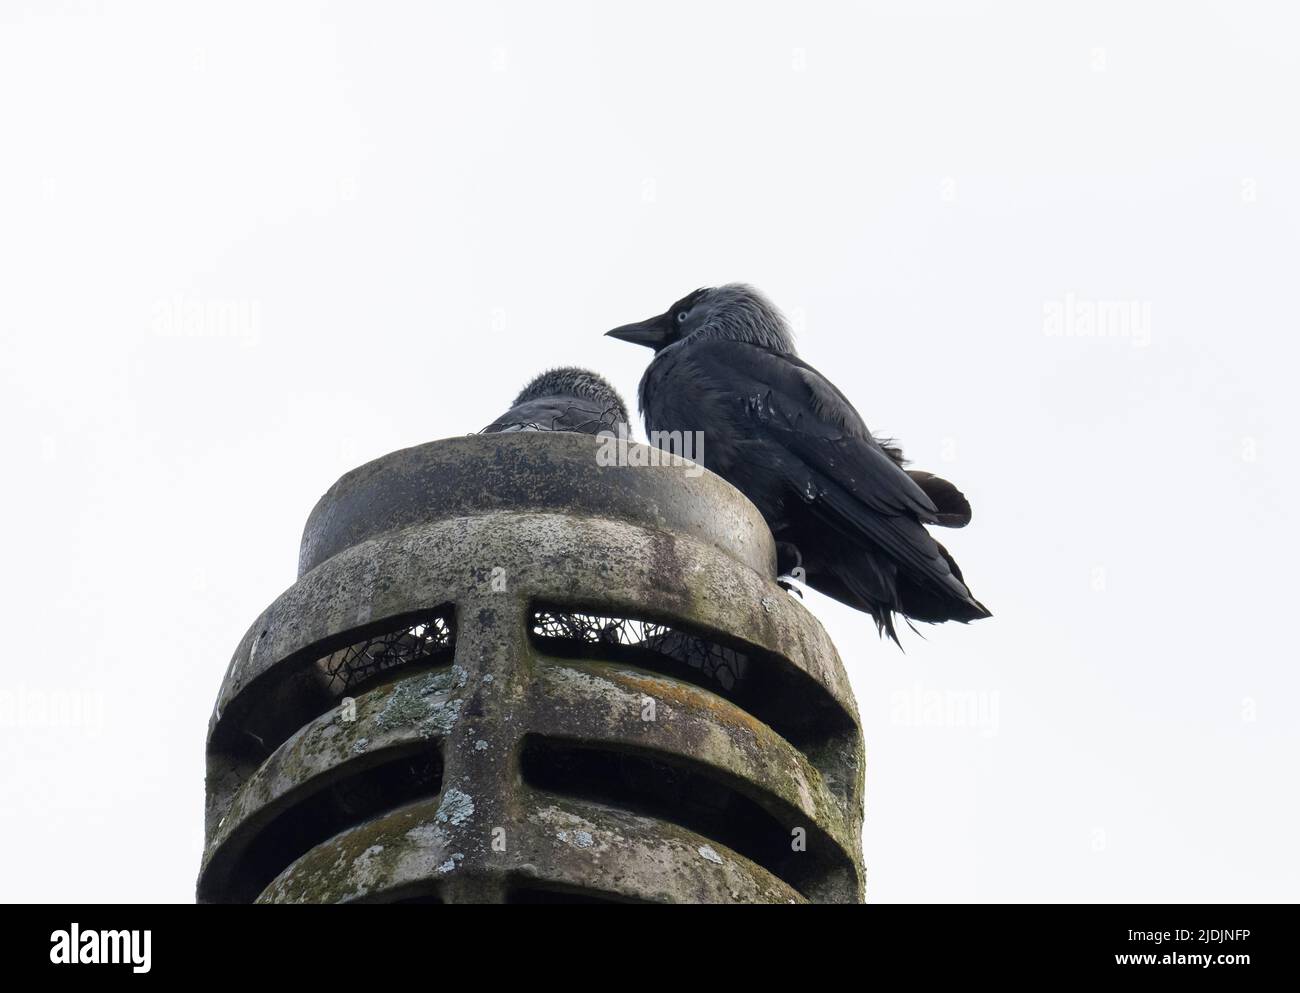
456	808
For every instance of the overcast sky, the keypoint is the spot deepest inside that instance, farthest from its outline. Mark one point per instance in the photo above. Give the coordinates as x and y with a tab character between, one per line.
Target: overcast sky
247	247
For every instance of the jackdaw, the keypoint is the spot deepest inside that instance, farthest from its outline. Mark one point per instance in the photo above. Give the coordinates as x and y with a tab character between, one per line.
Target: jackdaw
848	518
564	399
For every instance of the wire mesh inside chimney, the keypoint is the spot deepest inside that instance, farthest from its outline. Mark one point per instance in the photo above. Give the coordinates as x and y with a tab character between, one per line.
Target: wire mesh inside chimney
508	673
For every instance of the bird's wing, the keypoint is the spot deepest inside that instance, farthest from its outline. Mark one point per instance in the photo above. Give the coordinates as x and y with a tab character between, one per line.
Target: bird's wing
798	407
557	413
827	455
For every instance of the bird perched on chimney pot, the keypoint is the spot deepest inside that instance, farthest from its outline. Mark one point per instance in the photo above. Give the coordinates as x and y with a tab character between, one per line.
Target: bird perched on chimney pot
564	399
848	518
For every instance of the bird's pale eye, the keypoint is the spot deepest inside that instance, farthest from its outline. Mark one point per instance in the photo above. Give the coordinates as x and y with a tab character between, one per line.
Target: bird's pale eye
681	317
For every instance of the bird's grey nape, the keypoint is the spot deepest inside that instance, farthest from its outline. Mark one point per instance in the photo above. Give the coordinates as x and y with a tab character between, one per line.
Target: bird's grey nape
739	312
574	381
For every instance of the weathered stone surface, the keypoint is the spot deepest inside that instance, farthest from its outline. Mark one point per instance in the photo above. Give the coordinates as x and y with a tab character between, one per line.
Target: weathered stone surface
503	771
463	477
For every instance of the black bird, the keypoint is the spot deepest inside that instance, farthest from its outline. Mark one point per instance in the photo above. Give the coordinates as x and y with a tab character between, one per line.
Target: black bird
838	500
565	399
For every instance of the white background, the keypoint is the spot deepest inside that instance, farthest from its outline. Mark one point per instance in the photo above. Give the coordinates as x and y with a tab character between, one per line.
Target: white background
246	247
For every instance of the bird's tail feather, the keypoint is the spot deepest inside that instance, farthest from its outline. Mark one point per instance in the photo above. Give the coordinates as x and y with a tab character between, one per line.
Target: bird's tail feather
923	603
954	508
882	591
872	588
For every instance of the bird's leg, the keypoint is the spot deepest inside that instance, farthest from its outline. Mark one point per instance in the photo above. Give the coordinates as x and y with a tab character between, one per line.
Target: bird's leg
789	568
787	558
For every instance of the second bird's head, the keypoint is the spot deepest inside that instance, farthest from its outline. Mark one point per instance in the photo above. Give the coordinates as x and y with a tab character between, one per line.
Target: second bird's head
735	311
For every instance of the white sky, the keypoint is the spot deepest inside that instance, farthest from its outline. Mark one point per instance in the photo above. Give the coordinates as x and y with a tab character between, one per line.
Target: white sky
389	217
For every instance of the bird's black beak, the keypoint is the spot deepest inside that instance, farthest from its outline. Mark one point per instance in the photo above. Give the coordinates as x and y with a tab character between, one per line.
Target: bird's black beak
650	333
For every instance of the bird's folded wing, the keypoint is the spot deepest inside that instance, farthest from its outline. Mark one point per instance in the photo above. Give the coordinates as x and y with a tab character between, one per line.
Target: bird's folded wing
799	409
832	461
556	413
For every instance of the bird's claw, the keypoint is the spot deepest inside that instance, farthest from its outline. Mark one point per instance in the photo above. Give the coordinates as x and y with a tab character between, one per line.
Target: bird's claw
789	586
